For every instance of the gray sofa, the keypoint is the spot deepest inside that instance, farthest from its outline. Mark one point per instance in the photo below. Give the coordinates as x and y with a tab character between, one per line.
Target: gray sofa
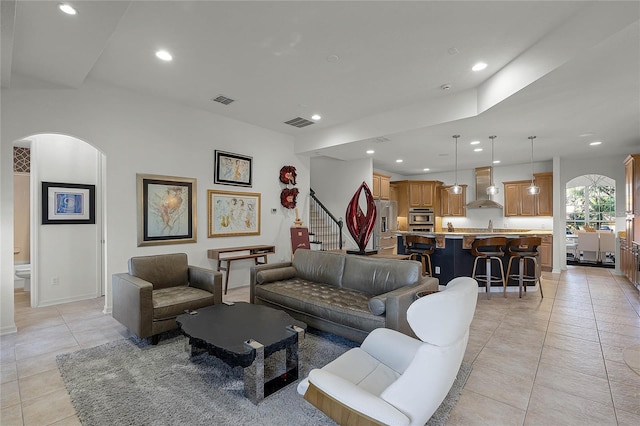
347	295
157	289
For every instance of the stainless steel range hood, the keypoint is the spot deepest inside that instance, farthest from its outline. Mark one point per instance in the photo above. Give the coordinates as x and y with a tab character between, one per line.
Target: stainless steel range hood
483	181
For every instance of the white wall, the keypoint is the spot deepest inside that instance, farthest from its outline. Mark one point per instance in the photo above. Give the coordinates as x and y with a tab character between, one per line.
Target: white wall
140	134
335	182
70	253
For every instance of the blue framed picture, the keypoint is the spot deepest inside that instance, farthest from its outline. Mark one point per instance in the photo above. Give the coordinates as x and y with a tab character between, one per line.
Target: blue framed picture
68	204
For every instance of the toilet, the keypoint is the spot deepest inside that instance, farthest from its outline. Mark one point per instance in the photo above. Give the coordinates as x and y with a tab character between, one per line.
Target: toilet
24	272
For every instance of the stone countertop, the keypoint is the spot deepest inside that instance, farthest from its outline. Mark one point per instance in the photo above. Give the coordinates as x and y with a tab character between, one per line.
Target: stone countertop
483	233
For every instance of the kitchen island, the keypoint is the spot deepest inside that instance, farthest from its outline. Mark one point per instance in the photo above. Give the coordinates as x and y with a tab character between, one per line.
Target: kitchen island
452	257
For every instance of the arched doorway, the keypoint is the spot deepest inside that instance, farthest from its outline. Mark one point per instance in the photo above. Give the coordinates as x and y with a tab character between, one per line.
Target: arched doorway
590	220
67	259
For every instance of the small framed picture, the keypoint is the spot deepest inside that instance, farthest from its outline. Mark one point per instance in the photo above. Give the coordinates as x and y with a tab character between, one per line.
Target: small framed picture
166	210
233	169
68	204
233	213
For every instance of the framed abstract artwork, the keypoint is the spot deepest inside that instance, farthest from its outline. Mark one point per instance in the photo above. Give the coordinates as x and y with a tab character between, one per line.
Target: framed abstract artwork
233	213
68	203
233	169
166	210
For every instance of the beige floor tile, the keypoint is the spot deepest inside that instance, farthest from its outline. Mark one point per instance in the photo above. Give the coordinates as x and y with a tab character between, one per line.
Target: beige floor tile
47	409
11	416
519	335
521	323
627	419
33	324
475	409
553	407
627	330
43	346
8	372
621	373
69	421
574	312
41	363
7	354
615	339
495	384
30	336
626	397
619	318
612	353
39	384
9	394
517	366
574	361
572	304
579	345
584	333
575	383
571	320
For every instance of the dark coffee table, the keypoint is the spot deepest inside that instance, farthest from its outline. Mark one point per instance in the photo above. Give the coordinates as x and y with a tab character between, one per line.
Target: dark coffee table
244	335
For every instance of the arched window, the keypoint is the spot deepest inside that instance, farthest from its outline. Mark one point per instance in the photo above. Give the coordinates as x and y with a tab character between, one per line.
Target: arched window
591	202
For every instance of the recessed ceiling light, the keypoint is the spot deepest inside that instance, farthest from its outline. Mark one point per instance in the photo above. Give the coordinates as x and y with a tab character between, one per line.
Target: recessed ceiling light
475	142
595	143
478	150
479	66
164	55
399	160
426	169
316	117
584	135
370	151
496	161
67	8
333	58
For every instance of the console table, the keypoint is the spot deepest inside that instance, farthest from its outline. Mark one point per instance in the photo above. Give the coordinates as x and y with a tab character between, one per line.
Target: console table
229	254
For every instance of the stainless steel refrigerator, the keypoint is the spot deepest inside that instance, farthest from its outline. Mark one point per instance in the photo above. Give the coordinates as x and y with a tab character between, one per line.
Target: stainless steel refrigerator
384	232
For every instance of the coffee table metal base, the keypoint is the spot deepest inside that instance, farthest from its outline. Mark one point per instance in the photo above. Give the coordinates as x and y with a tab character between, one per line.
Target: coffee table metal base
255	388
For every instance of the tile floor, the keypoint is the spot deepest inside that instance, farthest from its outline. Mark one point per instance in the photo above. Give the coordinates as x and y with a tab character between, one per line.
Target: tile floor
551	361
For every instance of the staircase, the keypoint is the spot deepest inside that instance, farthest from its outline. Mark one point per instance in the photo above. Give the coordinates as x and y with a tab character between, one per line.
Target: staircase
326	229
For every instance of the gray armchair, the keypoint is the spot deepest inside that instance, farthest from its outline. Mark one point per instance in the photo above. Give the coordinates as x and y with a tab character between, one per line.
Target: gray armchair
159	288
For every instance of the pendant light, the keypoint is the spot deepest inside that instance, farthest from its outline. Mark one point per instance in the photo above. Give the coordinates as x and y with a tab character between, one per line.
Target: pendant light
492	189
532	189
456	189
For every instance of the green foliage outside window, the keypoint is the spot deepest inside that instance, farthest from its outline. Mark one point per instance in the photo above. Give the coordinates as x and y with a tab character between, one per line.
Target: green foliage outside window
592	205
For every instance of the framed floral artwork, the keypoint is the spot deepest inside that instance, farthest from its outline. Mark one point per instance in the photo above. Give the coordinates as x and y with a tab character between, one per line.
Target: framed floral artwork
233	169
68	204
166	210
233	213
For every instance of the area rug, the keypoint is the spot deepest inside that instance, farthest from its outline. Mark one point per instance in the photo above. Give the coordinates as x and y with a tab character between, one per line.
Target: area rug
129	382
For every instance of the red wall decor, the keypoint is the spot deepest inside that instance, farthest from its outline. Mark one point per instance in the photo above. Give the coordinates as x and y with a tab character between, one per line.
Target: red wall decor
288	175
288	197
361	225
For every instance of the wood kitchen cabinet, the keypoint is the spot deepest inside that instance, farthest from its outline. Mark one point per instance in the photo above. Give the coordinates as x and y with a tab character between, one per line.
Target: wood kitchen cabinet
452	204
416	193
628	256
381	186
423	194
546	253
518	201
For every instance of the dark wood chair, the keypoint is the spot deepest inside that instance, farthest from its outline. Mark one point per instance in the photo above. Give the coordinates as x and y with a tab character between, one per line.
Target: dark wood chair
421	254
489	250
522	250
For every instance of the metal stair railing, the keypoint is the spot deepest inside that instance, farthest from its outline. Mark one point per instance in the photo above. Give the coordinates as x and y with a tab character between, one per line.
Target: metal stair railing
327	230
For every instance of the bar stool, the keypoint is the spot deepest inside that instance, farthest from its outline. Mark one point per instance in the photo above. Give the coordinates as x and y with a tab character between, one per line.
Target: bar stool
489	249
420	253
523	249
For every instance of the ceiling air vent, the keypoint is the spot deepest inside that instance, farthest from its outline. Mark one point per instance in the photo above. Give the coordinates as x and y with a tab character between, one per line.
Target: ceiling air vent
299	122
223	100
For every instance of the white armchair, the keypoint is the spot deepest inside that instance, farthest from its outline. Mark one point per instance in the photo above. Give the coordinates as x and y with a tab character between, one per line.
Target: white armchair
395	379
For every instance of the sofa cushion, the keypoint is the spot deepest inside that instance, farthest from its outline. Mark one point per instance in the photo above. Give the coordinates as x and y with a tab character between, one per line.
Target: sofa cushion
173	301
277	274
319	266
342	306
162	271
376	276
378	305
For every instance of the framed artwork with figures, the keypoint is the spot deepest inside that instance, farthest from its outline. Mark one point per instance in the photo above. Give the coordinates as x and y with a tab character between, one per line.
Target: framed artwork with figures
68	204
233	213
166	210
233	169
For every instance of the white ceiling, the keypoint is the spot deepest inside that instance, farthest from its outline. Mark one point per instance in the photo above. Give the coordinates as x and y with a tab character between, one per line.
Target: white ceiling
556	70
